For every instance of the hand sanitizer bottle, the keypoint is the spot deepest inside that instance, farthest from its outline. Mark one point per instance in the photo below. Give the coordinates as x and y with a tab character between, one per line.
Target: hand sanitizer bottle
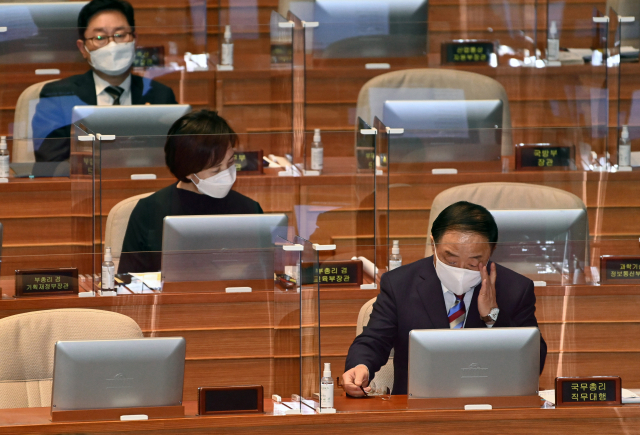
553	43
624	148
326	388
227	47
395	260
4	158
317	152
108	272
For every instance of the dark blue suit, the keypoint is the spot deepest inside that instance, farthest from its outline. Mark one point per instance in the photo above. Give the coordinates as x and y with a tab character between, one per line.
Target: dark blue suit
52	119
411	298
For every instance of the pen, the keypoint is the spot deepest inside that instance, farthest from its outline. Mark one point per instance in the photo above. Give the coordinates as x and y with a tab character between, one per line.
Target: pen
365	393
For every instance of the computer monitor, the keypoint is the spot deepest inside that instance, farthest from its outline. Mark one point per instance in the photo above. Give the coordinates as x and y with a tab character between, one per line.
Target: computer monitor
100	374
221	247
541	243
367	28
444	130
40	33
490	362
140	130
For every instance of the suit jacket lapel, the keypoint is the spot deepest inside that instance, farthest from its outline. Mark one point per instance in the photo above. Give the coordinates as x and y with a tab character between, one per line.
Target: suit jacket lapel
136	89
473	315
86	88
431	296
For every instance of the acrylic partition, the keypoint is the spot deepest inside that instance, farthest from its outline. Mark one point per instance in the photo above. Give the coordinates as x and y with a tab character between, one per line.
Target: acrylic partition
253	93
48	210
588	325
234	336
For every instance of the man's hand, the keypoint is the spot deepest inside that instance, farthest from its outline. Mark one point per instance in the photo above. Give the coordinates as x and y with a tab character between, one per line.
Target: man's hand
355	378
487	296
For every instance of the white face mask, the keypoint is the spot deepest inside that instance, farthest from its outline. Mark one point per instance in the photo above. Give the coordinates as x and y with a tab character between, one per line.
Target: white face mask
219	185
457	280
113	59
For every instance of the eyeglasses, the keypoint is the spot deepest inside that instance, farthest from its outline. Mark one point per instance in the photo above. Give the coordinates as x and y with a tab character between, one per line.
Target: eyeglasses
119	38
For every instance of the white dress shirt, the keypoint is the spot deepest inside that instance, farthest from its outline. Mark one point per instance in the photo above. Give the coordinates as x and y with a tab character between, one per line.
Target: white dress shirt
450	300
104	99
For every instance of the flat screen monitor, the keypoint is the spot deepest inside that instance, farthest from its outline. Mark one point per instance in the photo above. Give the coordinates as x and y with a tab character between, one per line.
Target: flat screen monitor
39	32
490	362
140	130
221	247
367	28
542	242
99	374
444	130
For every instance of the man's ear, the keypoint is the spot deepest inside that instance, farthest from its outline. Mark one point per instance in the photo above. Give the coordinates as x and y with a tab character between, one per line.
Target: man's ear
83	50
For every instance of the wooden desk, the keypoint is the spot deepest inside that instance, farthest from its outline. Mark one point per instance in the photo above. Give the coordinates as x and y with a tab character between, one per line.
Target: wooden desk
253	338
355	416
39	221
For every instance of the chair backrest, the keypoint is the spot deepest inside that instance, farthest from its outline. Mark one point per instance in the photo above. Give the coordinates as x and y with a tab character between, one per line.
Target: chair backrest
27	348
117	222
438	84
503	196
22	129
384	376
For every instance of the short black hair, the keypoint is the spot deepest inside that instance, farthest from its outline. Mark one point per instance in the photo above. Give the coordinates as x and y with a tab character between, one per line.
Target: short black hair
197	141
465	217
96	6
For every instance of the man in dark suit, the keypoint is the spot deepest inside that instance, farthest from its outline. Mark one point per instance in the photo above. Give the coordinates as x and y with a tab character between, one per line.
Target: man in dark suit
456	288
107	41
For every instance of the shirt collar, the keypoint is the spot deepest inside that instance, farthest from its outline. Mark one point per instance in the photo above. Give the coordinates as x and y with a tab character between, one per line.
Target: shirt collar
101	84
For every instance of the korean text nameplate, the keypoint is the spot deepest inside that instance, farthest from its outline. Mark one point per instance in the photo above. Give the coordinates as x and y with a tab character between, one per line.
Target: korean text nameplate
46	282
589	391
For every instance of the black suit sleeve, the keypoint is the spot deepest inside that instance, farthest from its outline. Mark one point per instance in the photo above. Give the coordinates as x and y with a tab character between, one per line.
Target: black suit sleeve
525	316
373	346
135	255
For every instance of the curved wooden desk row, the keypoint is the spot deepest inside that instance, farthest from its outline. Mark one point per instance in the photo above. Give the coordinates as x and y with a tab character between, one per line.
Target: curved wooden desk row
256	98
46	218
254	338
355	416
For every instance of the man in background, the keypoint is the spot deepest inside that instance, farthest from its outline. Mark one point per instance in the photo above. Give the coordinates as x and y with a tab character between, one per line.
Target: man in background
107	41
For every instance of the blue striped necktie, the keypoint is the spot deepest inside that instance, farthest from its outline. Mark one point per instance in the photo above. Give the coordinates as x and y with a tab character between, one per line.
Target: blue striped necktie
115	92
457	313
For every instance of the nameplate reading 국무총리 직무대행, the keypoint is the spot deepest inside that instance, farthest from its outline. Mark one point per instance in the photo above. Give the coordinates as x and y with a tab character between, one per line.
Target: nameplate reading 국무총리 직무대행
589	391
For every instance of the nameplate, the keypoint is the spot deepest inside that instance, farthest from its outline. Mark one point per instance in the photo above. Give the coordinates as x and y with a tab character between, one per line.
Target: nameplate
540	157
466	51
333	272
366	158
47	282
281	53
619	269
249	162
590	391
230	400
147	57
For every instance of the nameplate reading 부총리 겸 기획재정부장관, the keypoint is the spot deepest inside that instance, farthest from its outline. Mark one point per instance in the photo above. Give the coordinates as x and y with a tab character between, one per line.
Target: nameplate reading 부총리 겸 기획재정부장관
46	282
